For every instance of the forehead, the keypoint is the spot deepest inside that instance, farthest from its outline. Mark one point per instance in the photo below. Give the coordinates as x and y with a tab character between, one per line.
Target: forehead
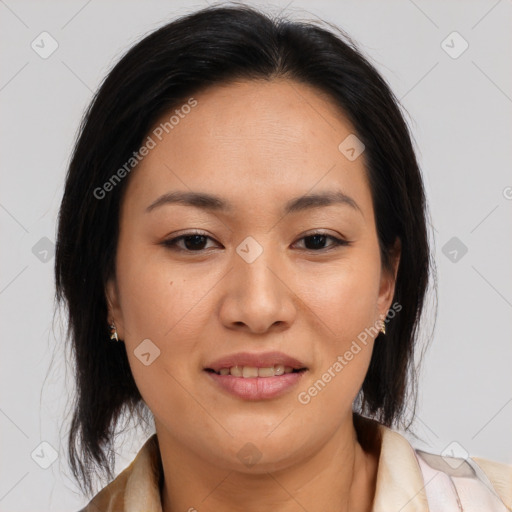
252	139
280	112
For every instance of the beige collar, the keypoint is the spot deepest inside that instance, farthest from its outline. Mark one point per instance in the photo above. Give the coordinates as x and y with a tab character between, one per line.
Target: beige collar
399	479
399	485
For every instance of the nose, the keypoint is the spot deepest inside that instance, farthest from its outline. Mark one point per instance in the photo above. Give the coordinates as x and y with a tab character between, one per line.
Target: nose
258	296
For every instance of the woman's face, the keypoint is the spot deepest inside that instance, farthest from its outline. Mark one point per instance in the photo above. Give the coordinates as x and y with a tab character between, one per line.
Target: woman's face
256	281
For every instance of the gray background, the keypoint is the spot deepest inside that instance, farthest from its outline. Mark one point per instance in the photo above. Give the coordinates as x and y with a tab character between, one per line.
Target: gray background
460	114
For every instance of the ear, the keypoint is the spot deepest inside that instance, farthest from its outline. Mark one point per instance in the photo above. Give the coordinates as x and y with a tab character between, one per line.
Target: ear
115	313
388	281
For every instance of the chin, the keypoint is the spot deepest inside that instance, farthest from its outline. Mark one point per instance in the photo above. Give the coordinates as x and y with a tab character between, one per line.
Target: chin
258	453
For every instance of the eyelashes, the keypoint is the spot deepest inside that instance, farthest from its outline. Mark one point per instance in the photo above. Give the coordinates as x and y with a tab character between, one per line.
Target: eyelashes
196	239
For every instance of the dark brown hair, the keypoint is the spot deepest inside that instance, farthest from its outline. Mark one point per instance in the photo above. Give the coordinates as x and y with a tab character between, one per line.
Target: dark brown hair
212	46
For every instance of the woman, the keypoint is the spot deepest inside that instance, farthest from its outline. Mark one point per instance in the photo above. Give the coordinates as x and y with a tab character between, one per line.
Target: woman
243	251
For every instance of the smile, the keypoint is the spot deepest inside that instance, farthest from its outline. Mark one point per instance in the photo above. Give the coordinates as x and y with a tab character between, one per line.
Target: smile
248	372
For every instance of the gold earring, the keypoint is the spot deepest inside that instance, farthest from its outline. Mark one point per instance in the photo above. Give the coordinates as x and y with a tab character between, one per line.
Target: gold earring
113	332
383	327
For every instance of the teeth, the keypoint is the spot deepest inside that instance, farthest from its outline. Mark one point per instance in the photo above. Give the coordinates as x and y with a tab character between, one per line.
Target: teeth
279	369
266	372
236	371
248	372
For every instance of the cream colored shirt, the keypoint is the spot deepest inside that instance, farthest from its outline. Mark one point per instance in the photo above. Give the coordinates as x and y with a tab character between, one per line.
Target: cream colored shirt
407	481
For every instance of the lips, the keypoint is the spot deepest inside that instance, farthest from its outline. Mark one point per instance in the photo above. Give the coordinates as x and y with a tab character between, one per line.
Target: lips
264	376
253	360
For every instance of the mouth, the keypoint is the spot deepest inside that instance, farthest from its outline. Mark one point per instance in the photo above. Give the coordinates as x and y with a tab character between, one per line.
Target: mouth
251	376
250	372
250	365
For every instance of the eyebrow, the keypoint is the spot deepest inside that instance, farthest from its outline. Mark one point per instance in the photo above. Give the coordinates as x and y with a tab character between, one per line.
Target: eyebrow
215	203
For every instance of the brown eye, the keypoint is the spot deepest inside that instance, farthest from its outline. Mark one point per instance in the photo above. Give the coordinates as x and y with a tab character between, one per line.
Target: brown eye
195	242
316	242
192	242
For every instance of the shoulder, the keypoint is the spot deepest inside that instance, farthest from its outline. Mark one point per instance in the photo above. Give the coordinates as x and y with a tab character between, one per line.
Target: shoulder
111	497
412	479
473	480
136	487
500	475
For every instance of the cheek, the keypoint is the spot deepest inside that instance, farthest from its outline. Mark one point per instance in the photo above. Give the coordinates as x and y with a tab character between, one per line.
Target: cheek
342	302
343	298
167	303
161	303
158	297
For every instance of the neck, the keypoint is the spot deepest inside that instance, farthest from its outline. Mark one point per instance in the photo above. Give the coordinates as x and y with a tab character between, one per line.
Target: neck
341	475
